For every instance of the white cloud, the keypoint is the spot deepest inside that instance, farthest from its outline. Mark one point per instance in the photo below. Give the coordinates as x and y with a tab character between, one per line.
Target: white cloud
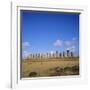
25	44
72	48
71	42
58	43
68	43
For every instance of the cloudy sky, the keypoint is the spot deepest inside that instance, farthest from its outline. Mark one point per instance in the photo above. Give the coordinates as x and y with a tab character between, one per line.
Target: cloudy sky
44	32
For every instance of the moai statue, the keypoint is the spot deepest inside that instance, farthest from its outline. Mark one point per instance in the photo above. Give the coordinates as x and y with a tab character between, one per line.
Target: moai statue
38	55
33	56
47	55
56	54
60	55
63	54
30	56
68	53
53	55
50	55
72	54
41	56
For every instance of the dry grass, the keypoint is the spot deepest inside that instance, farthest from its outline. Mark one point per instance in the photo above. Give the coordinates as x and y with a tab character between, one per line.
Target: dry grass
46	67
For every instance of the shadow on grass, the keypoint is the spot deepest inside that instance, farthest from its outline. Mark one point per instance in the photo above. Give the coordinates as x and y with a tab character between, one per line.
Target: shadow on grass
58	71
32	74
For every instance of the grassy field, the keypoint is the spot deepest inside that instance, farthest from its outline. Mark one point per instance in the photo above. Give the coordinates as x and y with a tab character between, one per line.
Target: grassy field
50	67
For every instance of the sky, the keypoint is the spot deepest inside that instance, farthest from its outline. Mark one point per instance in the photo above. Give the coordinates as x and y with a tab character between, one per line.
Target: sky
44	32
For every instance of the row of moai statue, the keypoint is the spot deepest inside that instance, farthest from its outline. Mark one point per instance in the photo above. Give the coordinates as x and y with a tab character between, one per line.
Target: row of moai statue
51	55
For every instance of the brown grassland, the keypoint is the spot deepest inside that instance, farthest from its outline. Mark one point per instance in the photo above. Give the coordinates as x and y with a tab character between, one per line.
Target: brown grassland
50	67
